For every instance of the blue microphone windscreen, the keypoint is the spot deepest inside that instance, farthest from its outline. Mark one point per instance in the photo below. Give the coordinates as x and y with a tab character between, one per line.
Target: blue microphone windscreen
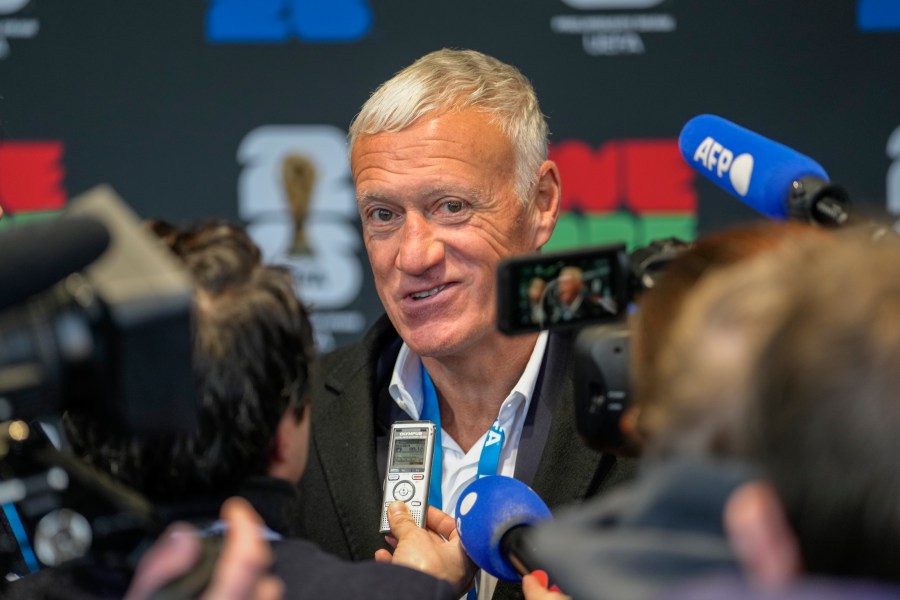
486	510
754	169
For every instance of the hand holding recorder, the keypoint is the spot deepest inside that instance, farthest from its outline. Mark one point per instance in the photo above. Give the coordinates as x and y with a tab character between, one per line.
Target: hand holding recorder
436	549
408	470
423	537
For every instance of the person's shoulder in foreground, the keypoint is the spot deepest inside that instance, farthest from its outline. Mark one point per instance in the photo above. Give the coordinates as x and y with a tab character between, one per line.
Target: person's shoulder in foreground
308	572
813	588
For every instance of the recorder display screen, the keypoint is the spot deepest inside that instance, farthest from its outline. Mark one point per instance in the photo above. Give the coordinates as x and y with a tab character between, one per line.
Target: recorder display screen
409	452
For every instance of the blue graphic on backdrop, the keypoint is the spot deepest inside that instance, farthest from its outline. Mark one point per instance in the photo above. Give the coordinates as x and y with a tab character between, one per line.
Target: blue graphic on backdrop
878	15
273	21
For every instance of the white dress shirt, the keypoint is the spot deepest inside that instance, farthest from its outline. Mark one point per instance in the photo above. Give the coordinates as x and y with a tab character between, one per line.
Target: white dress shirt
459	468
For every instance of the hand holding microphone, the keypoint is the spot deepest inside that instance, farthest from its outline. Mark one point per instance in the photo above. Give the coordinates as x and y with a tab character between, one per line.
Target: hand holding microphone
535	587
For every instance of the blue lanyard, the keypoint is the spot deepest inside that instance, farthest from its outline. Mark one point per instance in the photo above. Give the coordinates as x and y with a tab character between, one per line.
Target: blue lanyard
489	460
15	523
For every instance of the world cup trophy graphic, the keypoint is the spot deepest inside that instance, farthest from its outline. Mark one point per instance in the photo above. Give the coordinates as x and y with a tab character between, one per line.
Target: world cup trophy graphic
299	176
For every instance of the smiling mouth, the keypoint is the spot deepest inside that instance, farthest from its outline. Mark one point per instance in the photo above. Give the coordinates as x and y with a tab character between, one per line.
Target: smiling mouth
427	293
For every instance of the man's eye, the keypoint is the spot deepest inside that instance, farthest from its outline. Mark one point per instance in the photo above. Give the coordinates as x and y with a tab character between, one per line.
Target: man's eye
382	215
453	206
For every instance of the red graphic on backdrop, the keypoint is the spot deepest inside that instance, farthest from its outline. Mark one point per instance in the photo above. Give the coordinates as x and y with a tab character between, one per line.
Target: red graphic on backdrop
641	176
31	176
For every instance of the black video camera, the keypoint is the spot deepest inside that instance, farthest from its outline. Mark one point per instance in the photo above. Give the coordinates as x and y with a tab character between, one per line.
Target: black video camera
95	313
591	290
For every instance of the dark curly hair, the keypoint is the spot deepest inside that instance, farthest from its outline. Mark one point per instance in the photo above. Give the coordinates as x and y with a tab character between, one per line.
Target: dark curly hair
253	360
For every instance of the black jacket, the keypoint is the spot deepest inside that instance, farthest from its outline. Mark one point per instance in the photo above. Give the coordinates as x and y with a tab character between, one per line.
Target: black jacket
341	489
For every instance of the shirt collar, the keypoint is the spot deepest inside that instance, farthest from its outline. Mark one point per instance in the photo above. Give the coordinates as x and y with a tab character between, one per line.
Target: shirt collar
406	381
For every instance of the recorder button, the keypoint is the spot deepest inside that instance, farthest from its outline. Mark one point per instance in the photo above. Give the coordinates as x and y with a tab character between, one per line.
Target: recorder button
403	490
415	503
394	477
418	477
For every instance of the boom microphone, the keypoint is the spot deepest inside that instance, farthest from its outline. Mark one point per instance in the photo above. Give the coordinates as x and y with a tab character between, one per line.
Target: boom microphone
492	515
769	177
34	257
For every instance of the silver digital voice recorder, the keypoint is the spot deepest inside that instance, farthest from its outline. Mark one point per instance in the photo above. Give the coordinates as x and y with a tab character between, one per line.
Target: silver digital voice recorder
408	473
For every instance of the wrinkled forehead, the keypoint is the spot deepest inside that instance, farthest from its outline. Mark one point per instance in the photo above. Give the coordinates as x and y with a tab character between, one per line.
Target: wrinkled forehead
448	144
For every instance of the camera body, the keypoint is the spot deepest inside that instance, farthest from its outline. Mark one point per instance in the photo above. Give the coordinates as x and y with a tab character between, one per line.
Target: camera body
114	337
607	280
95	315
563	289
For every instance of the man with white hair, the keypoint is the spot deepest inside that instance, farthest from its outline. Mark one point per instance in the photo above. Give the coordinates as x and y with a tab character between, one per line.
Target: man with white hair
449	159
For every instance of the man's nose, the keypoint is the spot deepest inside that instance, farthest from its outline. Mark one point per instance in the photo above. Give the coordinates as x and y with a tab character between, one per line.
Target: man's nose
420	245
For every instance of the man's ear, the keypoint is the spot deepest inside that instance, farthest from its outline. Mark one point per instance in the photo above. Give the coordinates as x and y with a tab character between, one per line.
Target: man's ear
281	445
290	448
761	537
548	196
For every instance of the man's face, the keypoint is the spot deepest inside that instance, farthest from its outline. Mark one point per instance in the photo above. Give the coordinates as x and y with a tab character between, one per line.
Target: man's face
439	210
536	290
569	286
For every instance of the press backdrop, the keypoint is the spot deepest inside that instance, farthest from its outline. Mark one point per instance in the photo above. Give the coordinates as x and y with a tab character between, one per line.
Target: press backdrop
239	109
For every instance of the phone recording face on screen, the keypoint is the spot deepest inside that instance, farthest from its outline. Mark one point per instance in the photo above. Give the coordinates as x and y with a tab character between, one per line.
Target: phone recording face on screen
563	289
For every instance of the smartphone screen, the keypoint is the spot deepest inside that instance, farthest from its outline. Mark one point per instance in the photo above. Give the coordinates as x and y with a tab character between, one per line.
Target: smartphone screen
562	289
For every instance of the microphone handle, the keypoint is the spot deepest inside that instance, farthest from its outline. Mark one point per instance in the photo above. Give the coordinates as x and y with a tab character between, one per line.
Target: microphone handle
814	199
521	554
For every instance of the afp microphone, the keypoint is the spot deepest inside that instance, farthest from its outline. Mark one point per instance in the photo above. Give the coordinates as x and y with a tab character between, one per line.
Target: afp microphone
492	515
767	176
